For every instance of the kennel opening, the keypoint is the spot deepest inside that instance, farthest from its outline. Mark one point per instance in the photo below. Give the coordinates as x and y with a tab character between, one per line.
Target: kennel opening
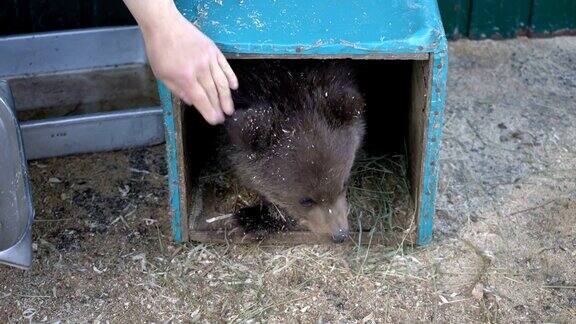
397	95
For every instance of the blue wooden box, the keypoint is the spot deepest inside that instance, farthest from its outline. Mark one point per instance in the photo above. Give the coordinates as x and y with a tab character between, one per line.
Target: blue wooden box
398	33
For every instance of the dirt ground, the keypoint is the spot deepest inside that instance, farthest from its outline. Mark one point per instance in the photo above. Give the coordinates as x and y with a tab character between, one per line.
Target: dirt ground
504	248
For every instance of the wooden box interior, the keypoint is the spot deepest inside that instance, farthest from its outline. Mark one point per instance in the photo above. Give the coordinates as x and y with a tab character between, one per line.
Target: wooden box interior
398	97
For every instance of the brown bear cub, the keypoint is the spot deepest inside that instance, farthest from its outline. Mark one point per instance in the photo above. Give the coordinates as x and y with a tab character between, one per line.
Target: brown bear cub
293	139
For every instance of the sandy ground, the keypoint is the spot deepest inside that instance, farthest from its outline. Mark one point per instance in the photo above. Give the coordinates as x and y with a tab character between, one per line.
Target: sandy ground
504	248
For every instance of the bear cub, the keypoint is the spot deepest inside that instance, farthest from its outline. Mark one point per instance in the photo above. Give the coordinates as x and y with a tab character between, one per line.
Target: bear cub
293	139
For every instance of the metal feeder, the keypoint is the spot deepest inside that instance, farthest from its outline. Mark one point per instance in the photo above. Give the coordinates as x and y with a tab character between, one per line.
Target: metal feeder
16	211
53	70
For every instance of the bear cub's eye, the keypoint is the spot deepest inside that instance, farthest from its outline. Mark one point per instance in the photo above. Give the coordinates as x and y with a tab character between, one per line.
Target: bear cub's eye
307	202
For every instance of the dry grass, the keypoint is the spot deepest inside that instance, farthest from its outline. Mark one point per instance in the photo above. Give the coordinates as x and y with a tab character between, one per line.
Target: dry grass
307	282
303	282
378	194
518	268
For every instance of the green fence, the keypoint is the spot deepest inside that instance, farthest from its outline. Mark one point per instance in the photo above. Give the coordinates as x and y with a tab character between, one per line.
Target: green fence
478	19
462	18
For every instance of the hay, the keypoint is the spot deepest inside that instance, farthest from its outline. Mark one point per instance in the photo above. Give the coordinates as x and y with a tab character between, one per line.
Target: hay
378	194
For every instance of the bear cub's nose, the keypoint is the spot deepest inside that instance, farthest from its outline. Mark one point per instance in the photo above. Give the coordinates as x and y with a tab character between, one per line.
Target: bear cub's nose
340	236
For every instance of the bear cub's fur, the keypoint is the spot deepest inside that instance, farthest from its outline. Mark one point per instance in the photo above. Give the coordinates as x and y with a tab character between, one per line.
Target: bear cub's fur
293	138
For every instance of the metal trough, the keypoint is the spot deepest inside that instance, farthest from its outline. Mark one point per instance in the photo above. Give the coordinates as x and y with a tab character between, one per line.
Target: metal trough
58	69
97	72
16	211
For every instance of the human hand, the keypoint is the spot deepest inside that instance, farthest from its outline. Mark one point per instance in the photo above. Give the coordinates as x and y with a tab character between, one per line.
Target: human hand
189	63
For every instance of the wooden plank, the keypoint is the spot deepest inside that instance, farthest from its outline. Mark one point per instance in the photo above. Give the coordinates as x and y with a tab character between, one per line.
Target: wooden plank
211	226
418	125
455	15
391	57
182	163
556	16
433	139
296	238
499	19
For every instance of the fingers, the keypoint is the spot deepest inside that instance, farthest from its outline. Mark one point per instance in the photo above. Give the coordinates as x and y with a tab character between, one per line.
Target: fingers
200	100
206	86
206	80
223	88
232	80
193	94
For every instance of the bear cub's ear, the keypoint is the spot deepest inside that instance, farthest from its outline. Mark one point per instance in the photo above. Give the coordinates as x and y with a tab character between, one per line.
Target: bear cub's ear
337	93
253	128
345	104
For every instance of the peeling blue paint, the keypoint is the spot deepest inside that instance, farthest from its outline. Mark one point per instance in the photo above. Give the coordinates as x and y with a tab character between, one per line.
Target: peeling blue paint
173	174
344	27
434	133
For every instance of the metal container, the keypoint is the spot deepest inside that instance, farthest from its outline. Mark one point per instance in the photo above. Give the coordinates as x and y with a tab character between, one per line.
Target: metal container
47	73
16	211
57	69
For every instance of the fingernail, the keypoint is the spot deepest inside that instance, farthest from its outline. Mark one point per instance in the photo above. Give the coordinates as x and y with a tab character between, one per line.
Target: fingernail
229	109
219	117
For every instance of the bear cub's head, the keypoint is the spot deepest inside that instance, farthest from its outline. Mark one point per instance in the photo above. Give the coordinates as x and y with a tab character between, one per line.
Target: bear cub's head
296	143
